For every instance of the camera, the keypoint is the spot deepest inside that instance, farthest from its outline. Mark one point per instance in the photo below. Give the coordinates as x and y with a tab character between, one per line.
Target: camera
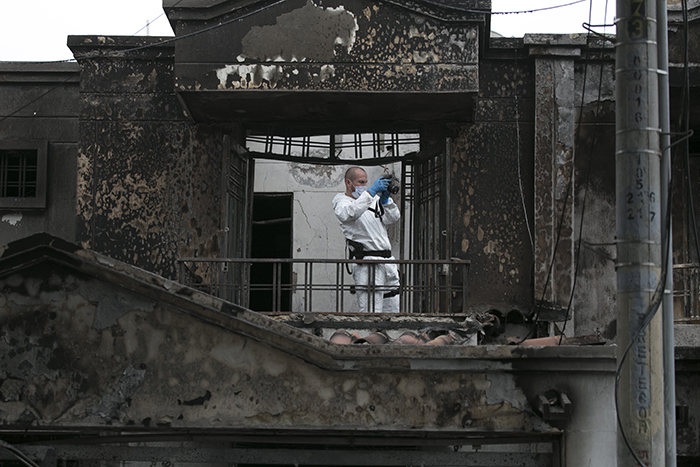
393	186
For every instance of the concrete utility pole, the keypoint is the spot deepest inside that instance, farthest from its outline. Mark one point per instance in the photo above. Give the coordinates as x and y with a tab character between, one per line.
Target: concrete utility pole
639	222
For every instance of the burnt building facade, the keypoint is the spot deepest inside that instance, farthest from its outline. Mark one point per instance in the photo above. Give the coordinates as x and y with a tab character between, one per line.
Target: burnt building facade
159	149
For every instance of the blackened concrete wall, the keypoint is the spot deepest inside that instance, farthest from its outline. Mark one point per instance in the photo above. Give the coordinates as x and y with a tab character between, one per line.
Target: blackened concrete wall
39	102
492	159
91	343
148	178
348	45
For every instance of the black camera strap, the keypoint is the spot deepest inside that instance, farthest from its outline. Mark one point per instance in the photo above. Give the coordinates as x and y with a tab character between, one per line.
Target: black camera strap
378	210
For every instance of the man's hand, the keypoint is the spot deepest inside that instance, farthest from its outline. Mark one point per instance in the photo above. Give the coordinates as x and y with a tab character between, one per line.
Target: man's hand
384	197
378	186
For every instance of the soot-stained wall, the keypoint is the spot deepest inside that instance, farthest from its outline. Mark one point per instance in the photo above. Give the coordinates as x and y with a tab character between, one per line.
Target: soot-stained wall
330	45
492	161
595	202
79	350
148	178
39	103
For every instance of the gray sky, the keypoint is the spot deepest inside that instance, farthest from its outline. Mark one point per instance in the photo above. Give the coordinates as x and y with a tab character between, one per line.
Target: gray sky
36	30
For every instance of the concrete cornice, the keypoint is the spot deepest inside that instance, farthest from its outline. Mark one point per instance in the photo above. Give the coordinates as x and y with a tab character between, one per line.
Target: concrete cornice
562	45
38	72
149	47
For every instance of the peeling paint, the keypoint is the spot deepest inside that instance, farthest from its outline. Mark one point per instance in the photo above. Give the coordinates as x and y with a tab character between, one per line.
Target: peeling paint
317	176
310	32
12	219
249	76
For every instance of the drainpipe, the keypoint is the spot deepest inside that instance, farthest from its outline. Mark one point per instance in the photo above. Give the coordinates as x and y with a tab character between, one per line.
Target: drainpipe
638	187
666	238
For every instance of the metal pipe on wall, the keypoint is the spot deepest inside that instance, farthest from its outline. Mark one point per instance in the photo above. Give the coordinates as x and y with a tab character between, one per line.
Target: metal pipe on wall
666	238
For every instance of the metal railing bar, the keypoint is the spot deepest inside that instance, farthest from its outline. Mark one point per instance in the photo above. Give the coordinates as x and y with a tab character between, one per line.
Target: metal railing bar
424	288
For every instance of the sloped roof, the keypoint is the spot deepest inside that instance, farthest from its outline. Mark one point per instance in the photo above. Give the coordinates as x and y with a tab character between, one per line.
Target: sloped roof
44	248
90	343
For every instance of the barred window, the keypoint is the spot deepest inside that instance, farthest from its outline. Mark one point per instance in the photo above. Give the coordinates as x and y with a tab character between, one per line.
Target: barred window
340	148
18	170
23	174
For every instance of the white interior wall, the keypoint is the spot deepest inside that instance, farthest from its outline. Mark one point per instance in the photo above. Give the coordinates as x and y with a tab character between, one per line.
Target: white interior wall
316	231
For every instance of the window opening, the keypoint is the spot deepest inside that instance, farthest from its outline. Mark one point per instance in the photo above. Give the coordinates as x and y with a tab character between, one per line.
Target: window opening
294	164
23	174
18	173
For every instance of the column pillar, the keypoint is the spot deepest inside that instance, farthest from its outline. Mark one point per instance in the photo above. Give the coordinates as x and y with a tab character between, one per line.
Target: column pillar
555	128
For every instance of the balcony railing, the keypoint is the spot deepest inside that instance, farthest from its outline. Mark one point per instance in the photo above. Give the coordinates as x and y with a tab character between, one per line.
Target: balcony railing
686	286
325	285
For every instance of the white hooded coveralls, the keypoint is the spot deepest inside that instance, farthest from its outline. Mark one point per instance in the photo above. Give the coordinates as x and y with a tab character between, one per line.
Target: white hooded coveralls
361	225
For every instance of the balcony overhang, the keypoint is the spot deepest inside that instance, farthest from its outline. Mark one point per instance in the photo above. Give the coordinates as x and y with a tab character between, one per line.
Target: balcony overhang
324	108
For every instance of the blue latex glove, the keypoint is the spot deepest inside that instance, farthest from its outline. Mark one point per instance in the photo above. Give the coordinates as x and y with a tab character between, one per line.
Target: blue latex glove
384	197
378	186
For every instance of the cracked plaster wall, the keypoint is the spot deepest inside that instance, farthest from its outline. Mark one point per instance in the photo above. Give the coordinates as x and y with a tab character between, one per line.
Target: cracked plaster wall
351	45
71	356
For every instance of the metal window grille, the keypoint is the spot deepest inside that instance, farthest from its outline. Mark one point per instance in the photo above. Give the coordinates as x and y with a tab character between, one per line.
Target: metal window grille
686	293
345	147
18	173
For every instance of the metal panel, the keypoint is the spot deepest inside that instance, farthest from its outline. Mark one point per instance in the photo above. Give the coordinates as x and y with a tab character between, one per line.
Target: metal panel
239	205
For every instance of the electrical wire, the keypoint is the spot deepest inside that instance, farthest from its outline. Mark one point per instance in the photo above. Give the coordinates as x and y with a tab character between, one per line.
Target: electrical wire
184	36
156	18
538	309
520	177
587	180
468	10
651	312
15	112
401	5
238	18
18	454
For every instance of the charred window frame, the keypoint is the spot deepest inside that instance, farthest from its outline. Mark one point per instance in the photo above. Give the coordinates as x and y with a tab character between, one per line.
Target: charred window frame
23	174
335	148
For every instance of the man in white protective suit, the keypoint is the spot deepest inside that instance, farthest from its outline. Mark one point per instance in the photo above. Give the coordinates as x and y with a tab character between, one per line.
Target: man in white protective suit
363	214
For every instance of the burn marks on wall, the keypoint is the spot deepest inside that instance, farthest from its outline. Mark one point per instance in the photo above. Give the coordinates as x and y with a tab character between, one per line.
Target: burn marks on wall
351	46
491	162
147	178
311	32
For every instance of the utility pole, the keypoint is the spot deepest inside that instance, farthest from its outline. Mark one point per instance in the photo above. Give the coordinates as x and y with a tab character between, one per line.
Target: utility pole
640	400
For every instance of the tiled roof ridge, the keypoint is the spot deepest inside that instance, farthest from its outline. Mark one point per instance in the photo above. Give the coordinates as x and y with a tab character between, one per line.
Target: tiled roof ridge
428	337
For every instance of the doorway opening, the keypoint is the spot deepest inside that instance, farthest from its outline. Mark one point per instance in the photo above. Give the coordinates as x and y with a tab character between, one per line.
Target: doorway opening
271	238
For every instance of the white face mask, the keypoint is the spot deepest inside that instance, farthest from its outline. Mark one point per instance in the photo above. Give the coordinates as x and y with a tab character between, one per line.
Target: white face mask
358	191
